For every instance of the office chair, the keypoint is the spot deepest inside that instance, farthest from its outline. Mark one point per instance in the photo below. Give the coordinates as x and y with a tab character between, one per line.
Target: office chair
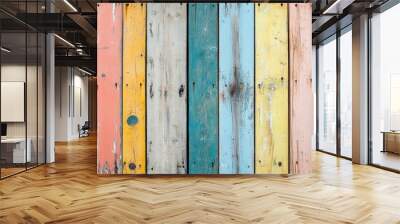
84	130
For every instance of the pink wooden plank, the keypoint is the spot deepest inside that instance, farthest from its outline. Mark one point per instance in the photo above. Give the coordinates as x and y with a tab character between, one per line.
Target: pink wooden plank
109	70
301	95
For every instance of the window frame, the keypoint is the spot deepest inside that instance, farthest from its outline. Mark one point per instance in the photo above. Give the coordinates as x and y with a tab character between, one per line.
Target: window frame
334	37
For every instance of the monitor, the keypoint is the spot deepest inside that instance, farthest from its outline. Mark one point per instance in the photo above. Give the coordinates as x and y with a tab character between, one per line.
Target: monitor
3	129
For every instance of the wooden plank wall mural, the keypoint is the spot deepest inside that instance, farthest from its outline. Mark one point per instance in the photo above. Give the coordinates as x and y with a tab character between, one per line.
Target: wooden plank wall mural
166	88
204	88
301	95
236	88
272	86
134	89
109	160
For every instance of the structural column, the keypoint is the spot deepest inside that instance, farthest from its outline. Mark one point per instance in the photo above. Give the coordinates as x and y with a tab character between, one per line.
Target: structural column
50	99
50	92
360	90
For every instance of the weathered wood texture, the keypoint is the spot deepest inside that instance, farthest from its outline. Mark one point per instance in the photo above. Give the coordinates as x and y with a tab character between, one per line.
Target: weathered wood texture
272	100
134	89
109	69
166	88
301	95
236	88
203	88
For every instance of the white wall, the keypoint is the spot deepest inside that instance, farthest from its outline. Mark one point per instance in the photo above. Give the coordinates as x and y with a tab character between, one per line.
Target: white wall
33	126
16	73
61	103
10	73
71	102
79	115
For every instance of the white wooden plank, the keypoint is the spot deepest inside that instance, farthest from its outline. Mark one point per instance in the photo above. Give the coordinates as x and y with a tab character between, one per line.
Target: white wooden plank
166	88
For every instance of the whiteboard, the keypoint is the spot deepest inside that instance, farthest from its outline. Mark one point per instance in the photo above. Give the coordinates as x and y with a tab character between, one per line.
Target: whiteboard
12	101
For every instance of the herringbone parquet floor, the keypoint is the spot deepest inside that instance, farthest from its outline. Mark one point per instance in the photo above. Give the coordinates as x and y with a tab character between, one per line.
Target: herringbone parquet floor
69	191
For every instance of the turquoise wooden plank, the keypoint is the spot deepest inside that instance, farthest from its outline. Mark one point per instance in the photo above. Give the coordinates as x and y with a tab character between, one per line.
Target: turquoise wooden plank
203	88
236	88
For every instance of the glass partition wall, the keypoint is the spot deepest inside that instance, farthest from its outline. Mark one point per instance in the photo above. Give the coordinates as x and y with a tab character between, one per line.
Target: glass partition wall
334	93
22	88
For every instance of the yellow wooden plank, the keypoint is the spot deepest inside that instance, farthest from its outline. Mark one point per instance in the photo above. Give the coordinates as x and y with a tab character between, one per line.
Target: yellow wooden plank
134	89
272	102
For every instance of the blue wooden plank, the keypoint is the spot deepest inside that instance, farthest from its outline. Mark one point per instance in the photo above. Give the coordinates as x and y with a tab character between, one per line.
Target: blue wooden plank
203	88
236	88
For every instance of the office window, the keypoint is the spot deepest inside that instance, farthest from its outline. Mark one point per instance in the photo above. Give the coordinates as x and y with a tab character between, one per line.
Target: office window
385	89
327	96
346	93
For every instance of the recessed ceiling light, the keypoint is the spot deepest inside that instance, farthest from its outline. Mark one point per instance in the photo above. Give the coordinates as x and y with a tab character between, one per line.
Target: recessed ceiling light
5	50
70	5
337	7
65	41
84	71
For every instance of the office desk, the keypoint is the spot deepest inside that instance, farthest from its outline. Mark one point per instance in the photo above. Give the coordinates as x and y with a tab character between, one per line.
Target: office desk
13	150
391	141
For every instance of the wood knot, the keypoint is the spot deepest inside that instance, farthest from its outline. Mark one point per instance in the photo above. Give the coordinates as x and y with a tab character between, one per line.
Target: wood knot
181	90
233	89
132	120
151	91
132	166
